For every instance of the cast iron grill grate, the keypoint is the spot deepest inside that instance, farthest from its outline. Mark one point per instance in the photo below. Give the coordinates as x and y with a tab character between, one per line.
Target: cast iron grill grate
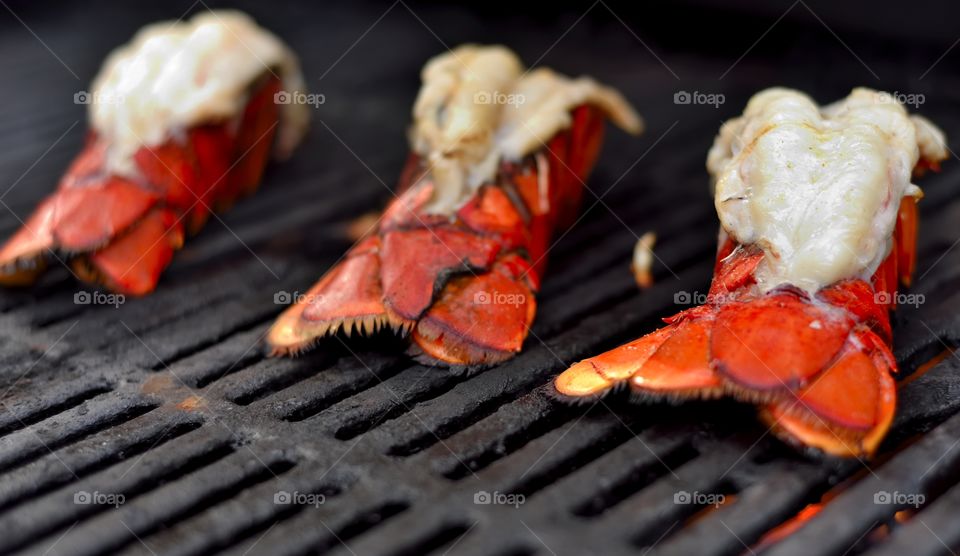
168	400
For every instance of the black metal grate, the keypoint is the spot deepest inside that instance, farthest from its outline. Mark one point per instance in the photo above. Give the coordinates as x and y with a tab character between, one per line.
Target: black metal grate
168	400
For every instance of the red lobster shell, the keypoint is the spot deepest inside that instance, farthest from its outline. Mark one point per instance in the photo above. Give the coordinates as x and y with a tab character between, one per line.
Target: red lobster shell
121	229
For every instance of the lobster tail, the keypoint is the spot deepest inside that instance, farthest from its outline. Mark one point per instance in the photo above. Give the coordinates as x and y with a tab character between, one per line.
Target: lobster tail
457	257
818	366
206	113
122	232
462	287
818	229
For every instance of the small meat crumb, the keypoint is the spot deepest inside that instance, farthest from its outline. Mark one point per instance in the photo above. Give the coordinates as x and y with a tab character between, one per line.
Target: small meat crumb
643	259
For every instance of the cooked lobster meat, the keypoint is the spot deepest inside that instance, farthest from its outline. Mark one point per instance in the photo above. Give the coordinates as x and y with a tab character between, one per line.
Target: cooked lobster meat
818	228
500	155
182	121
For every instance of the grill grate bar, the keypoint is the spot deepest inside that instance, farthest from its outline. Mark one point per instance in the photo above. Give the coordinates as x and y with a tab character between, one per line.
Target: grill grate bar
269	376
649	463
173	501
60	430
778	494
498	435
26	412
917	469
387	400
323	390
660	511
123	442
58	510
438	539
366	504
168	344
930	533
554	455
931	398
252	511
235	353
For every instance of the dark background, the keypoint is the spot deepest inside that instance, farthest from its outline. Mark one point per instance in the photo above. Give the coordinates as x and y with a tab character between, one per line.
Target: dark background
823	48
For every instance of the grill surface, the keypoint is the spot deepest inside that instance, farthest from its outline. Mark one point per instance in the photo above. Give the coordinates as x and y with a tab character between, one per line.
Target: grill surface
169	402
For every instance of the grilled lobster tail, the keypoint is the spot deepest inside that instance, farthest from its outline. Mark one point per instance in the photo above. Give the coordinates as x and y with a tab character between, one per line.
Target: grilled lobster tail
117	216
816	360
819	366
122	233
456	266
462	286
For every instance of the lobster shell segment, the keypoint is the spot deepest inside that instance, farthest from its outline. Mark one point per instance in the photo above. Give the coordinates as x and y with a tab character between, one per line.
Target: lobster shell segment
500	299
778	341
